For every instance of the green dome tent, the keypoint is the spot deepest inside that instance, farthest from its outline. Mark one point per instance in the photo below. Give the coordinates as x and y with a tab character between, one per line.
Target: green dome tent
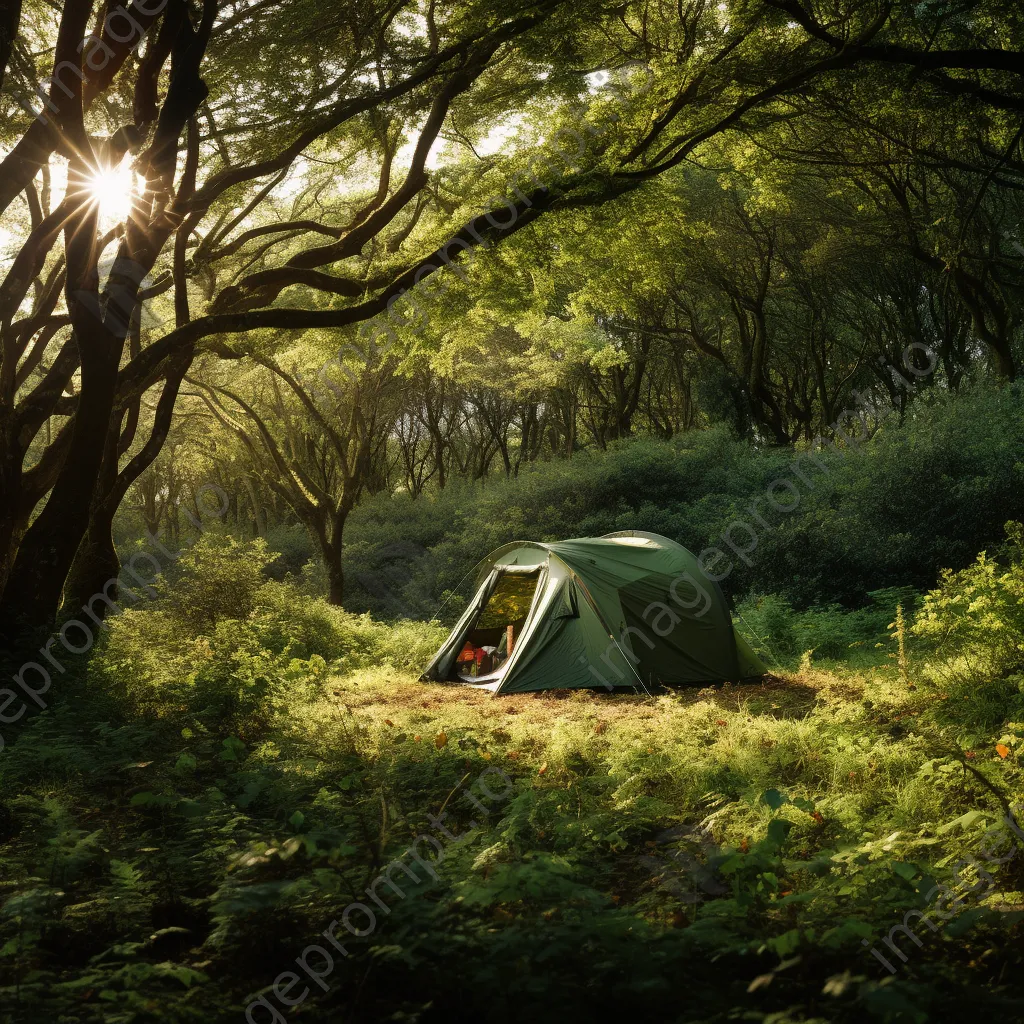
627	609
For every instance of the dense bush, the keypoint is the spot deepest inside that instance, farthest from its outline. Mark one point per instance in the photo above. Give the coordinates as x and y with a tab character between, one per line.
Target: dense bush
224	642
218	578
974	620
781	635
293	548
920	495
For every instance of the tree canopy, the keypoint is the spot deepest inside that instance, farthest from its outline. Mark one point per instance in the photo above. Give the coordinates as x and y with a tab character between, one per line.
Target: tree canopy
383	244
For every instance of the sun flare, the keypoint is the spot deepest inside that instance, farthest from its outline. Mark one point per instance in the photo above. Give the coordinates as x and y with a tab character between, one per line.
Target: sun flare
114	190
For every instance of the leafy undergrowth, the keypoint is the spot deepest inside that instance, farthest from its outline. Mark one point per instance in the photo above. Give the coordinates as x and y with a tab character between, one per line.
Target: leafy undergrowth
241	778
710	855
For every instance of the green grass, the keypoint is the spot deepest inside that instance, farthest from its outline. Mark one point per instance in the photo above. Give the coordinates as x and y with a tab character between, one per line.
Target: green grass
568	899
236	764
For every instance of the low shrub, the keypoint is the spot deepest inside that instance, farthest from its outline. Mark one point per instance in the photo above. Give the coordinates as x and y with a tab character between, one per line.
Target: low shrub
973	621
782	635
218	578
292	548
224	643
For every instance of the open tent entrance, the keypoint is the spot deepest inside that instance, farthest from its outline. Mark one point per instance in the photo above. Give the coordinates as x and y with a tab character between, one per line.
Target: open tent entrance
490	641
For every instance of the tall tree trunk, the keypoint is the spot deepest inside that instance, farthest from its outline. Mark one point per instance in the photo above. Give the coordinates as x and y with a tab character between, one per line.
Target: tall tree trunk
12	524
32	594
96	564
10	15
980	300
330	544
335	575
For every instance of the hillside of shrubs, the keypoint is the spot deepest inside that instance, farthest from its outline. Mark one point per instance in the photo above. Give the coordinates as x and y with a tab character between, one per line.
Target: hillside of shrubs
889	512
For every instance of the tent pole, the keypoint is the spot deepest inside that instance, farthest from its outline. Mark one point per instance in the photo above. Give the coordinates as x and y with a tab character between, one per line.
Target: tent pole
778	664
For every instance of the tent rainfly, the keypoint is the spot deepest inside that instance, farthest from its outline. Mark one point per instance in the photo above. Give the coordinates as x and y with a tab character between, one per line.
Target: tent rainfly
625	610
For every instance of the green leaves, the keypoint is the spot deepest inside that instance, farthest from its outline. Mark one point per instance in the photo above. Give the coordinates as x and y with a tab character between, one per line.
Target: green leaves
154	800
789	942
977	612
776	799
31	904
778	831
964	820
540	880
232	749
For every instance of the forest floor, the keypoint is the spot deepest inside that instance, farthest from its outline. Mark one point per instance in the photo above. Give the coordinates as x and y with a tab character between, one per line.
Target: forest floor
592	853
